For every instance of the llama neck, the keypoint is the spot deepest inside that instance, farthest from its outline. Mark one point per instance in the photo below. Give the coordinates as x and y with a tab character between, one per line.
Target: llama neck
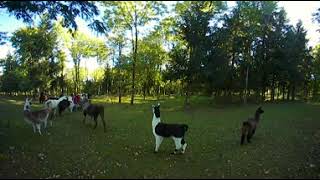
25	108
86	105
155	120
257	116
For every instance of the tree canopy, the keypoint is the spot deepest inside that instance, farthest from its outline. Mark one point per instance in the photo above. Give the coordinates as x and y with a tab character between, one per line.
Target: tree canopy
247	53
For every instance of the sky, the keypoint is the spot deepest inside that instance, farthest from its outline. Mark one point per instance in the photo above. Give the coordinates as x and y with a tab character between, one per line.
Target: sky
295	10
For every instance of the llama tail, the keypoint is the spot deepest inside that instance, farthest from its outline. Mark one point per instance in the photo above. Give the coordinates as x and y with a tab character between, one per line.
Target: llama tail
185	127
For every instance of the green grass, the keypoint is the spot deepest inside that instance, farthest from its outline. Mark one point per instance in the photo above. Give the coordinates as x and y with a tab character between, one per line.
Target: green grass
286	144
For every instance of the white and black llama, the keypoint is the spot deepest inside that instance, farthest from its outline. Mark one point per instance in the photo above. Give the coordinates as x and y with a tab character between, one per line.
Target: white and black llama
164	130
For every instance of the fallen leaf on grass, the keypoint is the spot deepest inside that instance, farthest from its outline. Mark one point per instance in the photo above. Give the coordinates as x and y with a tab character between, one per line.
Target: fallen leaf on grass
312	165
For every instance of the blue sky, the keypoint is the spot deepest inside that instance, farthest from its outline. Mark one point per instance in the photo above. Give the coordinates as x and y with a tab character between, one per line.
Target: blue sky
295	10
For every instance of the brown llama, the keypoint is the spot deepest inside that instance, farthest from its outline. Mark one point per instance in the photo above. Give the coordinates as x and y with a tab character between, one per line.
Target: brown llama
93	110
249	126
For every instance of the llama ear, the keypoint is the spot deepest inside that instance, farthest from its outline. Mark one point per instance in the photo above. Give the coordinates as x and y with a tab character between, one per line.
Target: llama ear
158	104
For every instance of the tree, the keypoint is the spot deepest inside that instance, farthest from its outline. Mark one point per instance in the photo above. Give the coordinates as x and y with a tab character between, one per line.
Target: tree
193	21
35	50
151	57
85	47
28	10
315	76
130	16
316	17
117	42
296	51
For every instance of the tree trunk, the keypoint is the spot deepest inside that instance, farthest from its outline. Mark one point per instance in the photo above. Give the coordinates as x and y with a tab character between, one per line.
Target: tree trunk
62	86
187	98
144	91
135	47
273	87
77	74
119	94
278	91
289	91
263	92
293	92
305	88
283	91
245	92
119	72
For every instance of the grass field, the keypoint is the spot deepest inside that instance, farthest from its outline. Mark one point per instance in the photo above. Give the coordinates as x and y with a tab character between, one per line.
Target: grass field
286	144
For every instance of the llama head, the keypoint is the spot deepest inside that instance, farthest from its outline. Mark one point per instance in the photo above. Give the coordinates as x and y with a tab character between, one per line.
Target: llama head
259	110
27	104
156	110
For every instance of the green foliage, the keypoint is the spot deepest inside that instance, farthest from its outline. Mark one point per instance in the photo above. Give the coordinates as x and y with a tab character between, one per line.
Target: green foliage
204	48
35	50
316	15
82	47
130	16
28	10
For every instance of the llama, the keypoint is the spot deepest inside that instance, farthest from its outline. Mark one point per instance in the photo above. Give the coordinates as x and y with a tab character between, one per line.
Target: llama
35	117
163	130
93	110
249	126
64	104
53	104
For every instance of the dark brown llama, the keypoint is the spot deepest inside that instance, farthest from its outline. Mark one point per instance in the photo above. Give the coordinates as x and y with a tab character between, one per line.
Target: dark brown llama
249	126
93	110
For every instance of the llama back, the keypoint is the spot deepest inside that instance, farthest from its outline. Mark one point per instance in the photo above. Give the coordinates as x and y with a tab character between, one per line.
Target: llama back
37	116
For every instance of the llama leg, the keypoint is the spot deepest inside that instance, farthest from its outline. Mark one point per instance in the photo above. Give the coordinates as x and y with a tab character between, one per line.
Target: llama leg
177	142
104	124
242	138
84	119
249	137
158	143
54	113
184	146
50	118
253	131
45	124
34	127
38	127
95	122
